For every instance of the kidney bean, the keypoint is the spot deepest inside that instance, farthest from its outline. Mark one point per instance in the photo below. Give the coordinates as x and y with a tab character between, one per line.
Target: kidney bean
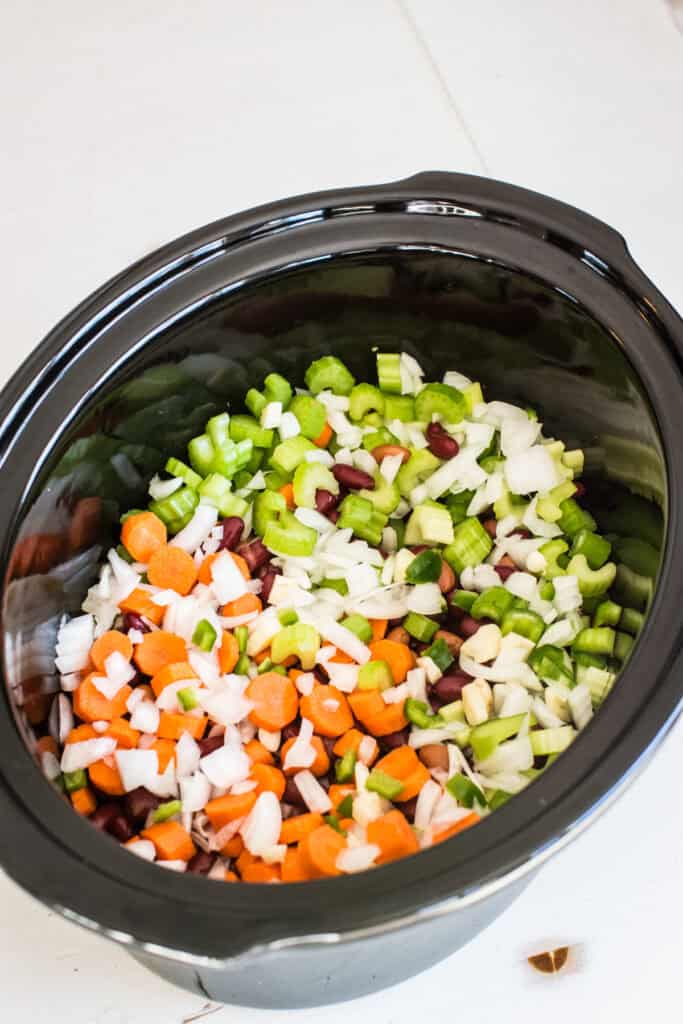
201	863
504	571
469	626
333	516
449	688
121	828
394	739
453	642
233	527
384	451
447	580
441	443
133	621
434	702
255	554
434	755
291	730
209	744
325	501
268	579
354	479
328	743
139	802
580	489
490	527
408	808
292	795
105	814
399	635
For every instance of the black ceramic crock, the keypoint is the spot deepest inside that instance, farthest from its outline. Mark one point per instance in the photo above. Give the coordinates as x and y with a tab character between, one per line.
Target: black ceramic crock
540	302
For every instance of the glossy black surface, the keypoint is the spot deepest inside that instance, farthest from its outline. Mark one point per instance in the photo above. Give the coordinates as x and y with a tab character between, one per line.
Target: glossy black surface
540	302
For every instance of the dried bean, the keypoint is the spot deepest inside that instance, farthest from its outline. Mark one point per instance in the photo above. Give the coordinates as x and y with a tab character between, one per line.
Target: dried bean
441	443
354	479
233	528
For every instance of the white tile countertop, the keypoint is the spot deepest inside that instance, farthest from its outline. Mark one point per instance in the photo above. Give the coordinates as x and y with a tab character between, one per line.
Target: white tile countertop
126	124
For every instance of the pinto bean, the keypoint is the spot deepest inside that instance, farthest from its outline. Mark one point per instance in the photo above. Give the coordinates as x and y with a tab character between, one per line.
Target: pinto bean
434	755
399	635
453	642
447	580
384	451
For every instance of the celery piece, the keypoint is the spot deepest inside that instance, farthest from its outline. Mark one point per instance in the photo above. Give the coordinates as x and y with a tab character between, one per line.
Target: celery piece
548	507
375	675
311	415
430	523
268	505
524	623
247	428
378	438
218	429
201	453
420	627
385	785
551	741
492	604
592	583
552	551
399	407
241	634
204	636
341	586
287	536
175	508
290	453
389	372
165	811
187	698
73	781
447	402
359	626
277	389
345	767
607	613
365	398
310	477
359	515
473	396
574	518
471	545
488	736
214	487
178	469
464	599
231	505
329	374
595	640
300	640
419	466
287	617
593	546
385	497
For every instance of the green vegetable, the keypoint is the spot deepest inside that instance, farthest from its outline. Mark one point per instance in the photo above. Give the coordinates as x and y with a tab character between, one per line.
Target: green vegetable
608	613
598	680
345	808
383	784
341	586
178	469
546	591
419	466
595	641
420	627
290	453
329	374
430	523
492	604
375	675
333	821
241	634
345	767
473	397
448	403
187	698
548	507
457	505
623	644
464	599
497	799
465	791
365	398
453	712
166	811
201	452
310	477
378	438
385	497
275	389
595	548
552	551
176	509
218	429
310	413
204	636
631	621
471	545
287	536
574	518
122	553
551	741
287	617
242	666
358	514
524	623
399	407
246	428
389	372
592	583
301	640
268	507
552	664
488	736
360	626
74	781
420	714
425	567
440	654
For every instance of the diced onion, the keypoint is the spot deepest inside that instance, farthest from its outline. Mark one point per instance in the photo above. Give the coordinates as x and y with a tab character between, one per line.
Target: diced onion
346	641
312	793
84	753
228	582
359	858
226	765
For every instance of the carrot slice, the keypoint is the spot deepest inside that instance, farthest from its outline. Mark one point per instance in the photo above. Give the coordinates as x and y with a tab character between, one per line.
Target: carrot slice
320	766
320	849
122	731
159	649
379	718
257	753
228	653
404	764
233	847
379	629
165	750
140	603
244	860
399	657
294	867
106	778
349	741
225	809
244	605
171	841
393	835
172	726
295	829
107	644
204	575
287	492
173	673
459	826
269	779
318	707
276	701
324	437
340	658
81	733
142	534
83	801
261	872
92	706
171	568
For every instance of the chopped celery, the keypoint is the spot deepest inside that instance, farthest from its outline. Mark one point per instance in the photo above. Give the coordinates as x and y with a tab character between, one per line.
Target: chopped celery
419	466
385	785
365	398
378	438
290	453
247	428
595	641
358	625
548	507
287	617
178	469
73	781
241	634
204	636
341	586
453	712
218	429
345	766
385	497
471	545
498	798
311	415
329	374
310	477
464	599
488	736
242	666
231	505
608	613
176	509
300	640
420	627
268	506
473	397
187	698
399	407
165	811
524	623
287	536
595	548
492	604
359	515
333	821
551	741
201	452
574	518
592	583
389	372
440	654
375	675
448	403
552	551
430	523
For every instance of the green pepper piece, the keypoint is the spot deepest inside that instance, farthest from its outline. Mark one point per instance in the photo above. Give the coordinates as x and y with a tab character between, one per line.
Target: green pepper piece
345	767
73	781
465	791
425	567
524	623
593	546
204	636
440	654
383	784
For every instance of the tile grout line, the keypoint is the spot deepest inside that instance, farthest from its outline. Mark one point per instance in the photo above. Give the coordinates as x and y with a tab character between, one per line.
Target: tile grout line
443	85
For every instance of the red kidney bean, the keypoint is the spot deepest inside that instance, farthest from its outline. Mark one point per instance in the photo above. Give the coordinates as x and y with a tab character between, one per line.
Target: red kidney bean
133	621
333	516
325	501
291	730
441	443
139	802
469	626
233	527
504	571
105	814
408	808
292	795
394	739
354	479
447	580
209	744
201	863
121	828
255	554
328	743
434	702
522	534
449	688
267	580
580	489
490	527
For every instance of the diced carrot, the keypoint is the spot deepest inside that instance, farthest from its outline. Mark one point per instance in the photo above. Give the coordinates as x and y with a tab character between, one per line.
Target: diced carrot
261	872
257	753
276	701
393	835
106	778
320	849
379	718
294	829
81	733
244	605
327	721
459	826
171	841
262	656
338	792
269	779
48	745
341	658
92	706
379	629
228	652
107	644
346	823
205	574
225	809
233	847
287	492
320	766
140	603
142	534
173	725
324	437
171	568
122	731
294	674
399	657
173	673
404	764
165	750
84	526
349	741
294	867
84	802
244	860
159	649
230	876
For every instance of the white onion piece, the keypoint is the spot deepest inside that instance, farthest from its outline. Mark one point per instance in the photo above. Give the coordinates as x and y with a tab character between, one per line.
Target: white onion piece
516	673
302	753
539	527
195	792
305	683
361	579
118	669
512	756
105	686
346	641
226	766
390	466
173	865
364	460
344	677
367	750
143	848
228	706
261	828
580	705
84	753
233	621
271	740
187	755
321	455
547	719
70	682
309	517
518	434
271	416
228	582
137	767
395	694
312	793
531	470
427	799
359	858
159	489
164	598
425	598
145	716
567	595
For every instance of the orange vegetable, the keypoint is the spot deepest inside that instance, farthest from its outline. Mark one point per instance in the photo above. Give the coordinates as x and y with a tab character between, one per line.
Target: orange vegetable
173	673
158	650
321	764
349	741
171	568
81	733
172	726
230	807
393	835
140	602
338	791
459	826
123	732
233	847
228	653
259	871
379	628
320	849
269	779
324	437
142	534
276	701
107	644
294	867
404	764
244	605
171	841
287	492
205	575
84	802
48	745
294	829
165	750
327	721
92	706
340	658
258	754
230	876
378	718
399	657
106	778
